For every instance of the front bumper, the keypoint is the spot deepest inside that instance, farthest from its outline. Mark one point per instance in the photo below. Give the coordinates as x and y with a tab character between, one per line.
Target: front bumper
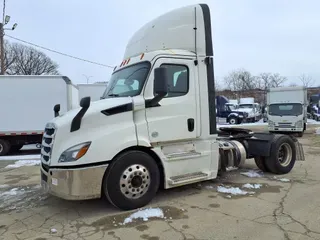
73	184
280	129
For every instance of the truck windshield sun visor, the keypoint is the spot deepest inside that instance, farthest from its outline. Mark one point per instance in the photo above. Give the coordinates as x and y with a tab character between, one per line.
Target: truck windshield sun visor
76	121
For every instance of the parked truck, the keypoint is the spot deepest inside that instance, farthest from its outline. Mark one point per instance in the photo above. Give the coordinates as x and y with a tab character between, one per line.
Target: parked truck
26	106
160	129
228	111
287	109
94	91
253	109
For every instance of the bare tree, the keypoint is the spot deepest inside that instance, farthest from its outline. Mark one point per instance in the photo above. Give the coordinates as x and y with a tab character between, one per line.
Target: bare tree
24	60
270	80
306	80
240	80
293	85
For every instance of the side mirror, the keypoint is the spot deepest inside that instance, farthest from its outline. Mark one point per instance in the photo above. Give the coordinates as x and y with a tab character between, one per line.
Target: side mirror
85	102
56	110
161	81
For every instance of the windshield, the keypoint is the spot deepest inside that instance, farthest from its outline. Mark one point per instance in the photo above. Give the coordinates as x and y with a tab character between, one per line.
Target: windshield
128	81
285	109
231	107
246	106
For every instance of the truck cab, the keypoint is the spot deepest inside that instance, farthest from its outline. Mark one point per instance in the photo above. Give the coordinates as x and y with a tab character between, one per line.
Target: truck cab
158	128
287	110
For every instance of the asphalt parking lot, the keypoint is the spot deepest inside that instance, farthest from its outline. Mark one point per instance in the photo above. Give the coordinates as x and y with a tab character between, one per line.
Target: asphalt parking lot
242	204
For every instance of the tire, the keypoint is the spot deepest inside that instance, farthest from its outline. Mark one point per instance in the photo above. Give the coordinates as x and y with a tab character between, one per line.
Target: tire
4	147
233	120
118	180
300	134
261	163
286	145
15	148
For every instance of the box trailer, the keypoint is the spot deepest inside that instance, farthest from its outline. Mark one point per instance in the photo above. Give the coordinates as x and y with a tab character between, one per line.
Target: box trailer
94	91
287	109
26	106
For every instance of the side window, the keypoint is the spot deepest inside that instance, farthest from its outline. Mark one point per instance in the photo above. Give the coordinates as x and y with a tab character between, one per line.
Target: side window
178	82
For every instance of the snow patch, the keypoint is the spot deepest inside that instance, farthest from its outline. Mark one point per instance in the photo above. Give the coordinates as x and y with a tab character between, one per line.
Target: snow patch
21	157
252	186
318	131
53	230
284	180
252	174
145	215
4	186
22	163
12	192
233	190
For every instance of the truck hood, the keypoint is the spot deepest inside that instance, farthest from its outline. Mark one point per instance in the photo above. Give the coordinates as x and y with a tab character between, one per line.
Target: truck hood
95	106
248	110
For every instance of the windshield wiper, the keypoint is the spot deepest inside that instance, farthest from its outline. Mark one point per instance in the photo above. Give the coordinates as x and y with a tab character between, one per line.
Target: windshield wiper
113	95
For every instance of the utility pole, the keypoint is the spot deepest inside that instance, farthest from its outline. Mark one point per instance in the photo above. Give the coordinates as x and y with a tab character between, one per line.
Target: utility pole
5	21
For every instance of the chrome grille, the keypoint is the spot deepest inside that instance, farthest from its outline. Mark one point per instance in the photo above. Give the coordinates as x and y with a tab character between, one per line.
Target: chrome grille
285	125
47	142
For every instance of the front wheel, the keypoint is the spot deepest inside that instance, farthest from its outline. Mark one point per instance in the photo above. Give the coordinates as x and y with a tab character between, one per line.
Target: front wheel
233	120
283	155
132	180
261	163
300	134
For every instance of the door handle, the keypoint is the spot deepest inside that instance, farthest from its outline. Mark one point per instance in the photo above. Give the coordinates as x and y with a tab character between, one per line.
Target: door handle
190	124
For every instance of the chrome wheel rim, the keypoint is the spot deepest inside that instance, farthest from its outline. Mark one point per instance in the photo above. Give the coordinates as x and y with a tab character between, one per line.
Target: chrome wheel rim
135	181
285	154
232	121
1	148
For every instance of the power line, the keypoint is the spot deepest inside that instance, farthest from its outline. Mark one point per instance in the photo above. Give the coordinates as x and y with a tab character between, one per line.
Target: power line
63	54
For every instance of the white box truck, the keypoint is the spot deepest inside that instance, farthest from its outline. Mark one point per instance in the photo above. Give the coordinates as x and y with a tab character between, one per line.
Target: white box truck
287	109
94	91
26	104
159	128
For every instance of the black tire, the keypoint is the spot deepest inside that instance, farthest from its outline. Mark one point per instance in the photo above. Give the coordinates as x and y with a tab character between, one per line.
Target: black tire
261	163
15	148
273	163
300	134
116	175
4	147
233	120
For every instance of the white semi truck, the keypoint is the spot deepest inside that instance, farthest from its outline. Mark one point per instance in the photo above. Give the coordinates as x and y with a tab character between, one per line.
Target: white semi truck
26	106
253	109
160	129
287	109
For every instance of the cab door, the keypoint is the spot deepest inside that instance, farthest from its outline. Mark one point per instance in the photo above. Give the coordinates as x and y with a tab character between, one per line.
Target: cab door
176	118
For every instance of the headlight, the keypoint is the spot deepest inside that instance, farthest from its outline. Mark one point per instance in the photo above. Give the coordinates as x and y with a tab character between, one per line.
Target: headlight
299	124
271	123
75	152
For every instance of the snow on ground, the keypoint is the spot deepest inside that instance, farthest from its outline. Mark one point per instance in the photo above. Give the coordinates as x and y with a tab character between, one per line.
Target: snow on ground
252	174
318	131
145	215
252	186
22	163
281	179
21	157
232	190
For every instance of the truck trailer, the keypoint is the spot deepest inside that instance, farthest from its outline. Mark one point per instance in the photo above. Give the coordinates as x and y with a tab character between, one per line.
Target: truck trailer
26	107
94	90
159	128
287	109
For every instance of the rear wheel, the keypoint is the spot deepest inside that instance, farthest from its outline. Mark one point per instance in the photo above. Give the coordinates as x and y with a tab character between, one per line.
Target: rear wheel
4	147
261	163
283	155
132	180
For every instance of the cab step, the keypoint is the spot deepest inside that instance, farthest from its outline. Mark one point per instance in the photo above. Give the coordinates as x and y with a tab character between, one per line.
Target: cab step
183	155
187	178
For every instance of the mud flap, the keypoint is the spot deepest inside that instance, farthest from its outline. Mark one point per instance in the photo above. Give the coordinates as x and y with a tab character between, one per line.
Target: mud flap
299	152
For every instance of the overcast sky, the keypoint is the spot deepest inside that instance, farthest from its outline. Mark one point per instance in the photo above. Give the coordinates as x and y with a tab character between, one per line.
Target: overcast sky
261	36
